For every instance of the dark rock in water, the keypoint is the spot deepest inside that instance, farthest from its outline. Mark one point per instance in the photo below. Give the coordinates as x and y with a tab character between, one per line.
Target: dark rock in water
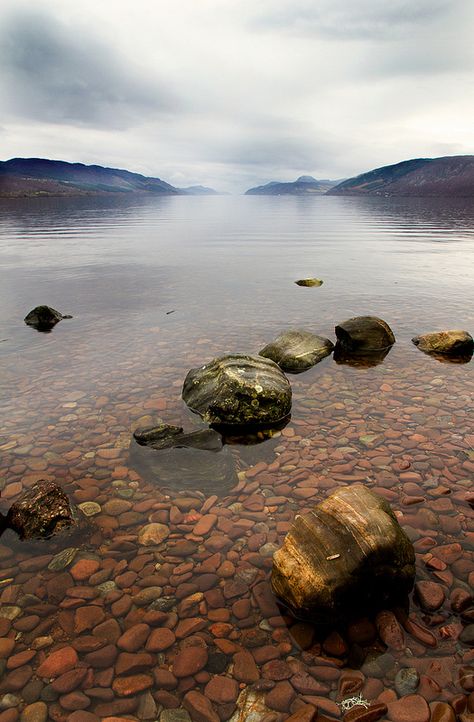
348	553
452	343
364	334
172	437
41	512
43	318
159	437
210	467
309	282
238	390
359	360
296	350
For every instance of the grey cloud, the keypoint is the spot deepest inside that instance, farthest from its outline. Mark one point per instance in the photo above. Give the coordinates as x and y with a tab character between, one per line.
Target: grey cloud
354	20
53	72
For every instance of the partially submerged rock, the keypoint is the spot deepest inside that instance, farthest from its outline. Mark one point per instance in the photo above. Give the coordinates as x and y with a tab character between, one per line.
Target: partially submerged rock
43	318
41	512
309	282
238	390
348	553
296	350
452	343
364	334
159	436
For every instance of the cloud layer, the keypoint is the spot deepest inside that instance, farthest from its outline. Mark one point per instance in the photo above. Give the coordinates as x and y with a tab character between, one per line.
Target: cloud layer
237	93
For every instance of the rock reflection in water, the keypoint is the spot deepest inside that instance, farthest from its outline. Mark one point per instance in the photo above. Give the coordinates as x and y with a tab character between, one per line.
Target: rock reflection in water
360	361
212	471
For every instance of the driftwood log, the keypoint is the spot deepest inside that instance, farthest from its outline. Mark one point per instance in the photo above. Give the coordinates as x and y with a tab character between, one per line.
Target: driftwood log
348	553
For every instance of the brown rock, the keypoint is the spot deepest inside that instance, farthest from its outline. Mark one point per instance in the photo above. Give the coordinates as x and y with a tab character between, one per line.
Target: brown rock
128	663
189	661
364	334
411	708
160	639
36	712
58	662
41	511
328	556
280	697
371	714
74	701
87	618
245	669
68	681
308	713
134	638
430	595
390	630
131	685
442	712
221	689
445	342
199	707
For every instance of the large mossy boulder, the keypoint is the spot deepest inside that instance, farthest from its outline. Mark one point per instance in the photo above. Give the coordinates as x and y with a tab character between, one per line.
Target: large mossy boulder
348	554
238	390
364	335
41	512
296	350
455	343
44	318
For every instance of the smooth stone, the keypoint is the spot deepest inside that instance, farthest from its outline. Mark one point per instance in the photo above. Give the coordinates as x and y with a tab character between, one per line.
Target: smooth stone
154	533
90	508
58	662
309	282
364	334
411	708
63	559
297	350
175	715
199	707
189	661
445	342
430	595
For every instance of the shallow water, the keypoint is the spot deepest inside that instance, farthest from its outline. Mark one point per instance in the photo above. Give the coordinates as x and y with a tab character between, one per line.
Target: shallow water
157	286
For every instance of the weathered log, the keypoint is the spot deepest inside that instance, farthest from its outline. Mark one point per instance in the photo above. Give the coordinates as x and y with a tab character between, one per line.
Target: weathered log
239	390
348	553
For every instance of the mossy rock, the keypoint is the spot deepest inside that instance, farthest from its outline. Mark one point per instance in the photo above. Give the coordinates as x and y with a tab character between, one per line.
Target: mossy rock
238	390
455	343
295	351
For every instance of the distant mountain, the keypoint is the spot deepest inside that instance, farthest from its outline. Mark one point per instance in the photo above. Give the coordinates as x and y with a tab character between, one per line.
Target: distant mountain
21	177
199	191
450	176
304	185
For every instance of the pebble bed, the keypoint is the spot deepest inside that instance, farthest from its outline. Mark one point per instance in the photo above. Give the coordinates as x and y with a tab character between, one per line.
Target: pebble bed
164	610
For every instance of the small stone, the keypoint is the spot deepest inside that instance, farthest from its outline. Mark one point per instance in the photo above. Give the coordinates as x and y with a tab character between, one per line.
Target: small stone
390	630
128	686
36	712
189	661
430	595
370	714
222	689
160	639
58	662
90	508
134	638
442	712
199	707
406	681
412	708
63	559
154	533
467	635
280	697
175	715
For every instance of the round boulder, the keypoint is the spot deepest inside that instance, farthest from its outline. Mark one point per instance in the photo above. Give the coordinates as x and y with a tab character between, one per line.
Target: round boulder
296	350
238	390
364	334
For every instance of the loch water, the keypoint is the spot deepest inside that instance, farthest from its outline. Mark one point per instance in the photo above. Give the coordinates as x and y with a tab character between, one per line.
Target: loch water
184	625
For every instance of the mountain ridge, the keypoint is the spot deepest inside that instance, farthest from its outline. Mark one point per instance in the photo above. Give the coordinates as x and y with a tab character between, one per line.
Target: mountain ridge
27	177
304	185
445	176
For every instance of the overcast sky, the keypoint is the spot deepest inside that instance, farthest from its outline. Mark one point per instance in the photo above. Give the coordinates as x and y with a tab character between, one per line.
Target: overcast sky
234	93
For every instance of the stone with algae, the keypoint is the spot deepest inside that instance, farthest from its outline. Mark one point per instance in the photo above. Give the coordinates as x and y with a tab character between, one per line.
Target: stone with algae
240	390
445	342
348	553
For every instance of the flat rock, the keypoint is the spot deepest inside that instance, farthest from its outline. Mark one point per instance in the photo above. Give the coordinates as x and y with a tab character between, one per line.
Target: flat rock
199	707
411	708
58	662
189	661
445	342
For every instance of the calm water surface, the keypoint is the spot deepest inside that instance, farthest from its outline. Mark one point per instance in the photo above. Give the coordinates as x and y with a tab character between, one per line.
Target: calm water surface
157	286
